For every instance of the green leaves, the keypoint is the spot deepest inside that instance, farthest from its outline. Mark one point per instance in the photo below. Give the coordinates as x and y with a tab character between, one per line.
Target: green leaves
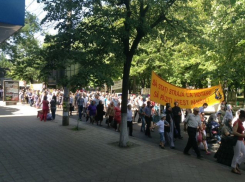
22	51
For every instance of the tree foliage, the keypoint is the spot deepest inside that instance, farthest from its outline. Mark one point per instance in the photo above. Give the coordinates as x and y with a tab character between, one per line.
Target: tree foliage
22	51
214	52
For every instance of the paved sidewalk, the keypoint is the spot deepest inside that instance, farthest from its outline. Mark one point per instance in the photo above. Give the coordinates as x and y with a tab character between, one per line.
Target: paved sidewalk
31	150
179	144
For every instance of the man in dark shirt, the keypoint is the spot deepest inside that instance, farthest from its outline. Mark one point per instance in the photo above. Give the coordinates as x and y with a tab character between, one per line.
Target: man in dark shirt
53	106
177	118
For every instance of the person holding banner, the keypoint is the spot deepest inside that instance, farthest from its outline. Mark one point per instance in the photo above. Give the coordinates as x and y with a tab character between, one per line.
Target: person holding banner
177	119
148	118
194	122
170	129
201	109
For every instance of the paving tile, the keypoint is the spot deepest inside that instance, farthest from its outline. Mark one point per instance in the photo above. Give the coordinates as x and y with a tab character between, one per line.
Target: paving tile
36	151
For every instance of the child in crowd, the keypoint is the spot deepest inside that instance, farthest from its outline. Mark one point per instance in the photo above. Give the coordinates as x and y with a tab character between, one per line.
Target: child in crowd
161	124
201	138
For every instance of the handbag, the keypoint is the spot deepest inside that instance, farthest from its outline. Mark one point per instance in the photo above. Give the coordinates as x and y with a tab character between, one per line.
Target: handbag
199	137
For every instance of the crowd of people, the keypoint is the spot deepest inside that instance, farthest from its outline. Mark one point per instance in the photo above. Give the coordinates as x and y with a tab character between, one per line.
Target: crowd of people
97	107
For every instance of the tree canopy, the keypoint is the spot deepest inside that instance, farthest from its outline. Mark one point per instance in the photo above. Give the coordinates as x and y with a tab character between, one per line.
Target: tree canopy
22	52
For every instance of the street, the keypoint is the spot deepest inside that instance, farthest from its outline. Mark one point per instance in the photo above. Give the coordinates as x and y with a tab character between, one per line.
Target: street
31	150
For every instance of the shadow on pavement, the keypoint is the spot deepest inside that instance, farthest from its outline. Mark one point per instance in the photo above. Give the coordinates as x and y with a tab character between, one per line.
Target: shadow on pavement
8	110
179	143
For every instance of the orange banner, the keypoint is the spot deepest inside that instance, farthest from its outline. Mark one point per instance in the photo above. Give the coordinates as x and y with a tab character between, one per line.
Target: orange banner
163	92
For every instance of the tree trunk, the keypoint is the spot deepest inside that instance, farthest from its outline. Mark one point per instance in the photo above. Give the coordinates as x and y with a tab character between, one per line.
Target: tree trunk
124	130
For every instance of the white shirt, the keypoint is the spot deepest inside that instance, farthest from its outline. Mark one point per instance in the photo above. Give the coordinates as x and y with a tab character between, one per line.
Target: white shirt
140	102
129	115
71	100
193	120
102	99
161	124
85	101
49	97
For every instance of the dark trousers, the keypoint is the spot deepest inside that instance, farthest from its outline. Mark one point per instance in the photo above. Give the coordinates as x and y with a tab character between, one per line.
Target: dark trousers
135	114
148	125
192	142
110	121
115	124
130	126
177	126
31	102
80	110
53	110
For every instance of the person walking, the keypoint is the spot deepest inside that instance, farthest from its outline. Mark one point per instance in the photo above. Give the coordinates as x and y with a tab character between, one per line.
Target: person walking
80	102
201	109
148	118
177	119
85	98
117	117
71	104
53	107
142	116
161	124
45	109
130	120
170	130
228	113
92	111
100	113
193	120
239	148
110	113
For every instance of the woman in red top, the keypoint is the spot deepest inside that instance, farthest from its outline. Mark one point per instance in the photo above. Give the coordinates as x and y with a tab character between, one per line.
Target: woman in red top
117	117
45	108
238	130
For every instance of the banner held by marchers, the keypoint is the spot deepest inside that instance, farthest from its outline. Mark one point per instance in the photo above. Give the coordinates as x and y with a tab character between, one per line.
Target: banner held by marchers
163	92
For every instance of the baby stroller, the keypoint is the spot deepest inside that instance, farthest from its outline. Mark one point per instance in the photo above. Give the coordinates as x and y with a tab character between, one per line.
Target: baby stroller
212	129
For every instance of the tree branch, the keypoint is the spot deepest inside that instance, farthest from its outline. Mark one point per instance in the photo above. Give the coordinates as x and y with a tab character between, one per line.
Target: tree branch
170	3
161	18
127	27
140	29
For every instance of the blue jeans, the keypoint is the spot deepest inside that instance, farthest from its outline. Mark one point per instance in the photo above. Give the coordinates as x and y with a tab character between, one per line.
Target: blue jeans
162	138
80	110
143	124
31	102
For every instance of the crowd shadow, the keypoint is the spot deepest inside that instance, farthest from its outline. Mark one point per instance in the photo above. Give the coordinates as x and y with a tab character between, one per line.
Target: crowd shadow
8	110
